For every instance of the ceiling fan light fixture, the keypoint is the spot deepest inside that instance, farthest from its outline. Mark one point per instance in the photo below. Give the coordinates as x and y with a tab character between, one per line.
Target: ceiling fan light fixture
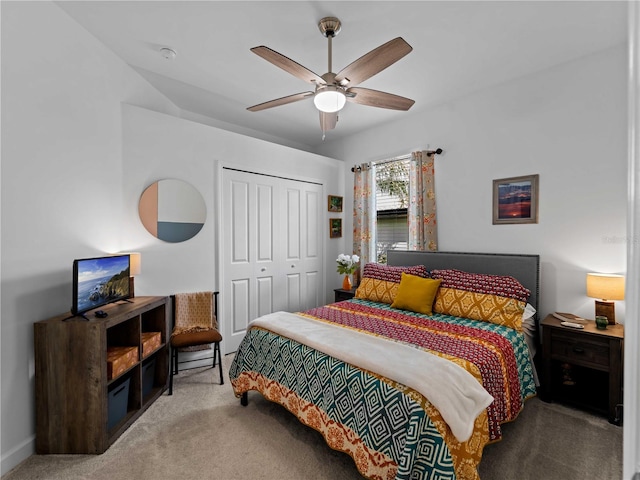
329	99
332	90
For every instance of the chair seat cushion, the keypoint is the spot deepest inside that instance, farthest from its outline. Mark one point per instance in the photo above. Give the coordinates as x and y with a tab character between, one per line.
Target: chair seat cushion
188	339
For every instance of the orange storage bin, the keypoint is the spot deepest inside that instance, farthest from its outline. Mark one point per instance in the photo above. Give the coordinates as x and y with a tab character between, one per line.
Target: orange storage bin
150	342
120	359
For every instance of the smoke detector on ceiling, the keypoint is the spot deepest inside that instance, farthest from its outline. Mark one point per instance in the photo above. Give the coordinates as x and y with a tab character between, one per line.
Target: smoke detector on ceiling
168	53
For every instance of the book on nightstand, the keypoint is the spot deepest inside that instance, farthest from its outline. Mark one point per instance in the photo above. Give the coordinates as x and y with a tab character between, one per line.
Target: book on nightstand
568	317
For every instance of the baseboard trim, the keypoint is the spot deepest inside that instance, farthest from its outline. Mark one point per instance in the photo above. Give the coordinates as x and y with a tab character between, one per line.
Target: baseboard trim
17	455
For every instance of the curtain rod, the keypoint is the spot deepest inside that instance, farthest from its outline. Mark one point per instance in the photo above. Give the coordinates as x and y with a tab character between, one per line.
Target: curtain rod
437	151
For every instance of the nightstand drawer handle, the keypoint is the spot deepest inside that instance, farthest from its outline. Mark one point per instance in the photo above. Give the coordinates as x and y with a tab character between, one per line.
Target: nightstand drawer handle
578	350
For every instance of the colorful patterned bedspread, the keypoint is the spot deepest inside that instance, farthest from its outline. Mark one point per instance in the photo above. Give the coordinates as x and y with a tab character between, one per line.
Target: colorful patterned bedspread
390	430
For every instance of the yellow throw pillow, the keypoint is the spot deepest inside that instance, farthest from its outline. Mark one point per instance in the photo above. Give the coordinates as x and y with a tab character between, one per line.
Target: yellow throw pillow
416	294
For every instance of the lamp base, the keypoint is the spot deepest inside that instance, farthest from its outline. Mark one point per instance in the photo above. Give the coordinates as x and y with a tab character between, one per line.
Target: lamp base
606	309
131	289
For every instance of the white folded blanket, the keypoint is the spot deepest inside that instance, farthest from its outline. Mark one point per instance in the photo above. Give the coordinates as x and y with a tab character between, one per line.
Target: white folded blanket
450	388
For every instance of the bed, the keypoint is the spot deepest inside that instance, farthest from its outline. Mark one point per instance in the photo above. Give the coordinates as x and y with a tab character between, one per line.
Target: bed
406	393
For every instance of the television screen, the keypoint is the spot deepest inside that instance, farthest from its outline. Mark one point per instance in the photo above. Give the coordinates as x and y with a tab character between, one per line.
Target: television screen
98	281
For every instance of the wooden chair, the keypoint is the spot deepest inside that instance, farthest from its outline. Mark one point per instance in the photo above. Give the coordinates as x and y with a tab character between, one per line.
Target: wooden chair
194	324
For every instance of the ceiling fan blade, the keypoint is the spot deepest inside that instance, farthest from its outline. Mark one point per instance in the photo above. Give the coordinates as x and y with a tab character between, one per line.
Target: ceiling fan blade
280	101
373	62
375	98
288	65
328	120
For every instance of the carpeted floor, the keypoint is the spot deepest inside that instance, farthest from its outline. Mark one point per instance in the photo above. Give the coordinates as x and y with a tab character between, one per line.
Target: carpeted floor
202	432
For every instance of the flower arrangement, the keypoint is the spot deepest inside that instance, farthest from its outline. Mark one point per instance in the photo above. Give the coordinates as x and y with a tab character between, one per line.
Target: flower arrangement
347	264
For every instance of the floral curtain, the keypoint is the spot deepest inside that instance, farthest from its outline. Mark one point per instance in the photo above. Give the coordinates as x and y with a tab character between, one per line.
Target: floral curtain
364	215
423	229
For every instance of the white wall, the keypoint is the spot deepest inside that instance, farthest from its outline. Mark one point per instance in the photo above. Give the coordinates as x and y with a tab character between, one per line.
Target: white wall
157	146
569	125
70	185
61	182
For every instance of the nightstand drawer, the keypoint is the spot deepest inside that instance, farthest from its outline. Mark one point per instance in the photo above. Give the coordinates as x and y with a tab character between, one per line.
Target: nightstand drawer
342	294
591	351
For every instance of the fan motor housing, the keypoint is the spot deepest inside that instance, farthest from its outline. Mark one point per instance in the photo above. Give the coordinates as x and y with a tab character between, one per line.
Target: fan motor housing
329	26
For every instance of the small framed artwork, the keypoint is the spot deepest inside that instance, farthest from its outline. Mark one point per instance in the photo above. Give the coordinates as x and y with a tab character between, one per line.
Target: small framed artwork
335	203
335	227
515	200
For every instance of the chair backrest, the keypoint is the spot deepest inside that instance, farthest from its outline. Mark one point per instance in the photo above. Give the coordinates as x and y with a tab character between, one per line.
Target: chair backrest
196	309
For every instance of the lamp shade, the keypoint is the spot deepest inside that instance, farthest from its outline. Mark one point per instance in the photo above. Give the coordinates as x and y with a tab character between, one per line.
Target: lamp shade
605	286
329	99
135	264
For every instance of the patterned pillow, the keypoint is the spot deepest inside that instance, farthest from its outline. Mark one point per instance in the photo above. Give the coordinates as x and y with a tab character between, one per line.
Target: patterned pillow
500	285
380	282
391	273
377	290
480	306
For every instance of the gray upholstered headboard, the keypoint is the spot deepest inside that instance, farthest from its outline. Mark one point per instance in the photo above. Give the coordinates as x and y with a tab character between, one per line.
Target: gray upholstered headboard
525	268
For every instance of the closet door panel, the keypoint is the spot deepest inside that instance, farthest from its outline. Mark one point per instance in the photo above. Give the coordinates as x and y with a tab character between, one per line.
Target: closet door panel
293	224
271	249
240	243
264	235
240	292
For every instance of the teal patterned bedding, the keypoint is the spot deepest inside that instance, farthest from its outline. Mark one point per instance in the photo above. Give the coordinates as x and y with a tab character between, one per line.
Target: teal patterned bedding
390	430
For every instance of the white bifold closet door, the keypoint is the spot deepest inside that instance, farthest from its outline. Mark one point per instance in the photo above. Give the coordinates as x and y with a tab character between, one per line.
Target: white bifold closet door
271	249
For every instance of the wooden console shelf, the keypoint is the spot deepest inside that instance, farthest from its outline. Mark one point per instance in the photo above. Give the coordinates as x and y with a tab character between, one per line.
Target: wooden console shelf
74	396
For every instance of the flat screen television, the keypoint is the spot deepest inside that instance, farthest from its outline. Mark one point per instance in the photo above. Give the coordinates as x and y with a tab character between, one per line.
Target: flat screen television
98	281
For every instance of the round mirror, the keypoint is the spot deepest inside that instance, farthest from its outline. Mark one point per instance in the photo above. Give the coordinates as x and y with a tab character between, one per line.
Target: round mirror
172	210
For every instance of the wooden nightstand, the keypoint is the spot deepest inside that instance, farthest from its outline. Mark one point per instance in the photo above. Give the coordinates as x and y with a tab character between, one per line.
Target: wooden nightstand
342	294
584	367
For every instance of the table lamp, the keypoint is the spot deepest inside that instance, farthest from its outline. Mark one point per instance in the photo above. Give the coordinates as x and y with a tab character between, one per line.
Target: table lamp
606	287
135	262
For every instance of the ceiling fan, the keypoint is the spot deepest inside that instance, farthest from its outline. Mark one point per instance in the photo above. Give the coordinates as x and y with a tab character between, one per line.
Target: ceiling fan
332	90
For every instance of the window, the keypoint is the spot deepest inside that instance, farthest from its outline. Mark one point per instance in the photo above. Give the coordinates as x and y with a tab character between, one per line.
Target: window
392	200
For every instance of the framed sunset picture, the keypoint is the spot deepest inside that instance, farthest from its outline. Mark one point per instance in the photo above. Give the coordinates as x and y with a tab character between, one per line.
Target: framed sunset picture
515	200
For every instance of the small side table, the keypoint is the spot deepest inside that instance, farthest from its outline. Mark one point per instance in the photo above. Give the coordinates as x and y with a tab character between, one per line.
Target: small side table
342	294
584	367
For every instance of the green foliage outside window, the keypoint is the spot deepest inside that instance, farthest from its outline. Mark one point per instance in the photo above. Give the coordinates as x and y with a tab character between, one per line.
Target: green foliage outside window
392	200
392	179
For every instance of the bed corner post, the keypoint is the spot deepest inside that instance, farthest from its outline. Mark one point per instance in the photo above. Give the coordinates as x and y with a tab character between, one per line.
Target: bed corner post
244	400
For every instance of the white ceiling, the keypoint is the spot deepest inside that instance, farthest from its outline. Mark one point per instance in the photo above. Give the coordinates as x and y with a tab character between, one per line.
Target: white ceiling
458	48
